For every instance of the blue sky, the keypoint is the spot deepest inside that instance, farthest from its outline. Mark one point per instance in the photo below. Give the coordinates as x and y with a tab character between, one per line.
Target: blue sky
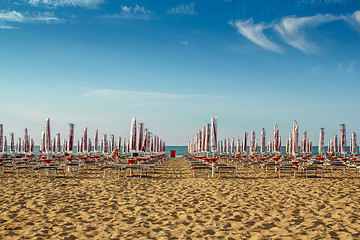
175	64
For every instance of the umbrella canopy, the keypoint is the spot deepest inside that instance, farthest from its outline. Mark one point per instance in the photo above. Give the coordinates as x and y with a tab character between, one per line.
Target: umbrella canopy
213	141
133	134
295	143
5	145
1	137
343	139
70	146
244	146
276	138
336	148
262	147
12	142
321	141
252	142
140	137
96	141
354	147
47	135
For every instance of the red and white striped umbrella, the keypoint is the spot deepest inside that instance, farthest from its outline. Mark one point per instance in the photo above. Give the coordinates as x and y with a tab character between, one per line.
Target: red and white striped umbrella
233	146
336	147
262	147
12	142
89	145
276	138
32	145
252	142
354	143
303	143
133	134
85	137
47	135
140	136
203	134
78	147
228	146
295	143
1	137
112	143
343	139
244	145
145	142
213	137
70	144
238	147
124	146
105	144
64	145
42	143
119	144
58	143
321	141
207	138
5	145
82	145
96	141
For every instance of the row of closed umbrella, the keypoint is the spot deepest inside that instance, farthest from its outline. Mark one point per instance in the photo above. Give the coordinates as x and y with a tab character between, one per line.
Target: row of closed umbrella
141	140
227	146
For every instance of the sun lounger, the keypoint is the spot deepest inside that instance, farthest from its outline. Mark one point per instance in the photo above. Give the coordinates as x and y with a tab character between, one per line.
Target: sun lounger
226	169
49	170
315	169
116	168
286	168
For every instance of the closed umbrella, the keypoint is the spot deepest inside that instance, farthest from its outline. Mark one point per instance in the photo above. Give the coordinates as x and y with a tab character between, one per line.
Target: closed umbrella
295	143
343	139
70	146
321	141
133	135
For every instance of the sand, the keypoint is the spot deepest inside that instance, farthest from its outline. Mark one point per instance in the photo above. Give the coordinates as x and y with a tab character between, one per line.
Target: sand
171	204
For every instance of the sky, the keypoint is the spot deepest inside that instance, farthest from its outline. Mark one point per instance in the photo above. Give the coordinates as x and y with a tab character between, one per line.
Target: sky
175	64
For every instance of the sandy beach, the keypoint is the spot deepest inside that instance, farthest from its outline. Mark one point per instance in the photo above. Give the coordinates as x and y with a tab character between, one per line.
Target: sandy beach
171	204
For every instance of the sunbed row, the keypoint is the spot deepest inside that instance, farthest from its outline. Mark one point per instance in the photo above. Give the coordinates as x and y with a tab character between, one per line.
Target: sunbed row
45	166
202	166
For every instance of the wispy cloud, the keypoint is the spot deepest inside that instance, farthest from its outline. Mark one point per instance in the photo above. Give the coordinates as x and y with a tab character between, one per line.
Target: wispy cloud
318	2
348	68
113	93
254	32
353	20
7	17
183	9
136	12
66	3
292	30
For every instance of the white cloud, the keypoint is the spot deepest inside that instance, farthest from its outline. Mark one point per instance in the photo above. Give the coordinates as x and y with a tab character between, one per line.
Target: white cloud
318	2
184	42
64	3
183	9
353	20
254	32
292	30
7	17
136	12
348	68
113	93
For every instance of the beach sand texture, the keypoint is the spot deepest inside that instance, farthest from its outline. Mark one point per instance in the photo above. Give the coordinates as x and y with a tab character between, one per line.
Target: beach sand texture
171	204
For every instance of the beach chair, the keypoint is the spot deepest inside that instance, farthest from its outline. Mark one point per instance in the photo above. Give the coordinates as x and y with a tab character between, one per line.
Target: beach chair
131	170
313	169
226	169
110	169
286	168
